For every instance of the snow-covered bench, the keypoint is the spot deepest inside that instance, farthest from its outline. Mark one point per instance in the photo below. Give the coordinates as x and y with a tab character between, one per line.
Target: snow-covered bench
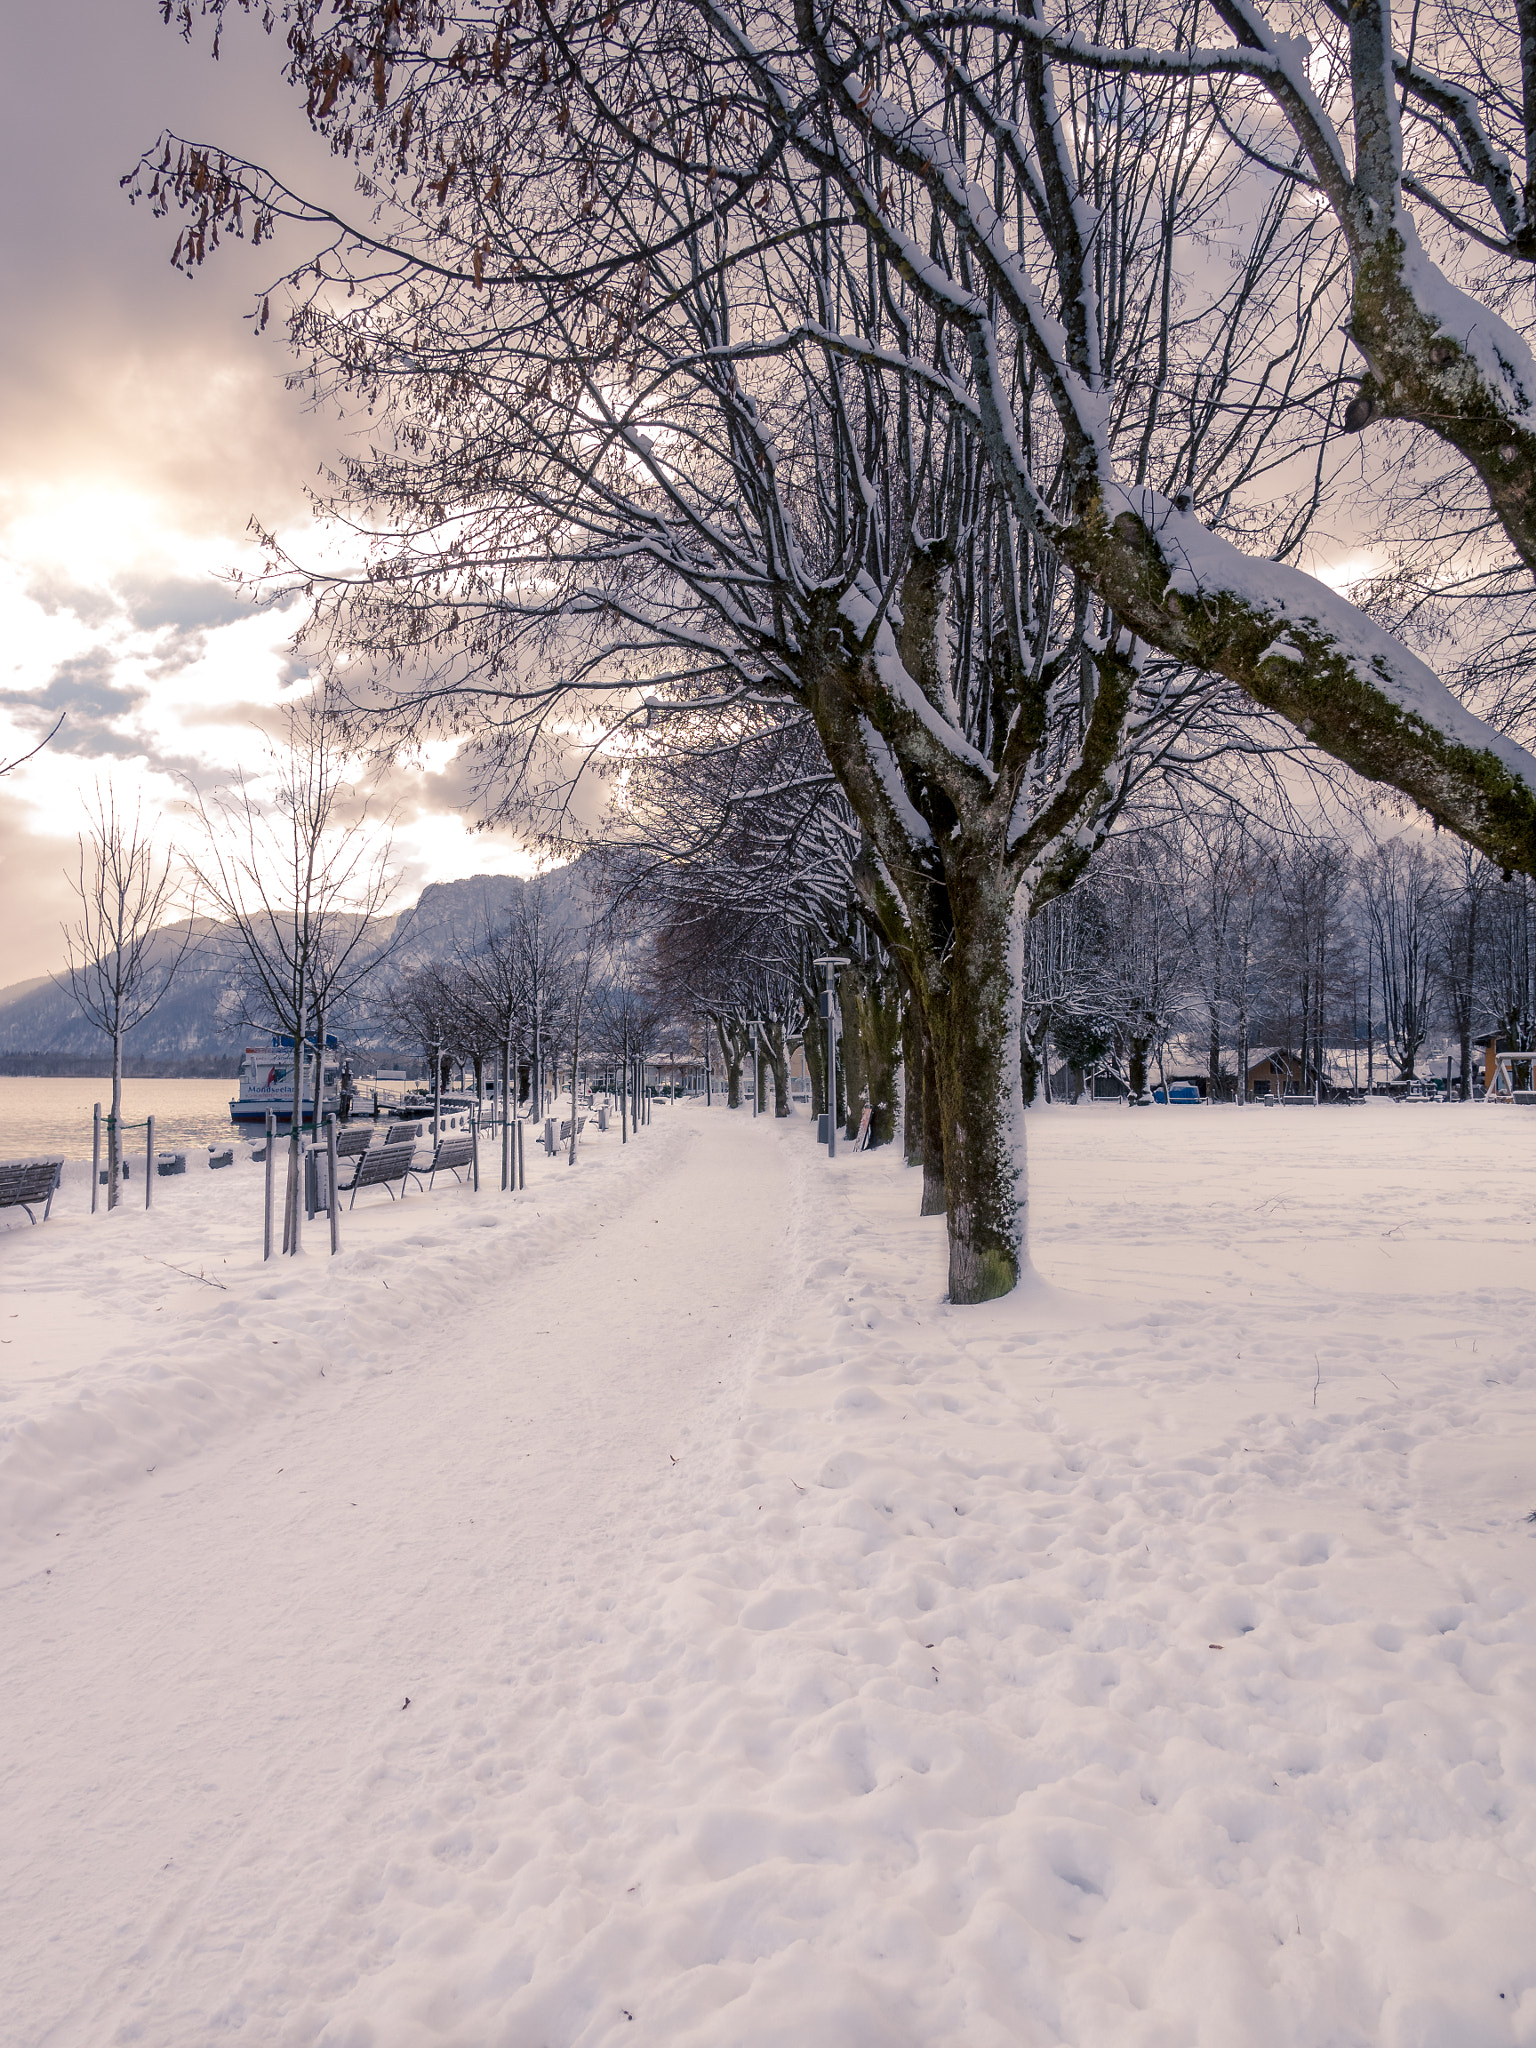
26	1182
377	1168
449	1155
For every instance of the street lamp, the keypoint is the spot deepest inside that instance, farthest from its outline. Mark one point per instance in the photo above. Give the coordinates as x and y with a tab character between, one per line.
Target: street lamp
829	964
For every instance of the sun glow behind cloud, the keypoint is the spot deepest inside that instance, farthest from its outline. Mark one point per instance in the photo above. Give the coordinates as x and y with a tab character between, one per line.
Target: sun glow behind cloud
169	678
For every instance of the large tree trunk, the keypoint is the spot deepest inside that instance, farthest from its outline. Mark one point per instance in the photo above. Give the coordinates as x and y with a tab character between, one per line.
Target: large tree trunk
1029	1060
912	1081
975	1026
852	1064
933	1203
1136	1069
814	1045
1242	1054
730	1052
778	1062
879	1036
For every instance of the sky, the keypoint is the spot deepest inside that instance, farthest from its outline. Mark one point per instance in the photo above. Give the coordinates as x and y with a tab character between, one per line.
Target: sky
143	424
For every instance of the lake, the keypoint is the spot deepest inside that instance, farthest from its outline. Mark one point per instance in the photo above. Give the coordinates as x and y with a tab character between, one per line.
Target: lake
44	1115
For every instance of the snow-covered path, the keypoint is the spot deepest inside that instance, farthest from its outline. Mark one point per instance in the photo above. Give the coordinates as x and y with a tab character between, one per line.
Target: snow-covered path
209	1661
1145	1661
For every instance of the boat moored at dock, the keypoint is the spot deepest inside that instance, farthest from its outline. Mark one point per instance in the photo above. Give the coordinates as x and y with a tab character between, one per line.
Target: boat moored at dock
266	1081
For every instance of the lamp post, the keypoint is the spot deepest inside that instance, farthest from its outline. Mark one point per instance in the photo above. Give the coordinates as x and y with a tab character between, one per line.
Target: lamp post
829	964
753	1024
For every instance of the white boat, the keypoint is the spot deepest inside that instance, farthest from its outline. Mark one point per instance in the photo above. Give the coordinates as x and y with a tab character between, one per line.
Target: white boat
266	1081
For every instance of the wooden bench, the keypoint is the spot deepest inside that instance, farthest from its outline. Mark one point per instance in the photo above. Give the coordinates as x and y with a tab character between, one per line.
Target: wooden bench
25	1182
398	1133
449	1155
565	1129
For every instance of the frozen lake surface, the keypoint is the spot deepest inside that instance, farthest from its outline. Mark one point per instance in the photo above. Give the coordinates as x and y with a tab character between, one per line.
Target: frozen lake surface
642	1611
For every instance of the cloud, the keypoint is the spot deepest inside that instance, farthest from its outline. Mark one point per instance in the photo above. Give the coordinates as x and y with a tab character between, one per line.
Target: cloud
185	604
142	427
85	690
53	592
114	366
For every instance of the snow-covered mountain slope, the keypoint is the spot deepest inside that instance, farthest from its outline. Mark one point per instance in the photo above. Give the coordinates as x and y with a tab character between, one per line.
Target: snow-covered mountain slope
1146	1659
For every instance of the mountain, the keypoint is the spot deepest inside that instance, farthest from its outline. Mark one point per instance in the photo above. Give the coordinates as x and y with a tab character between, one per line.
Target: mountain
450	917
199	1027
40	1016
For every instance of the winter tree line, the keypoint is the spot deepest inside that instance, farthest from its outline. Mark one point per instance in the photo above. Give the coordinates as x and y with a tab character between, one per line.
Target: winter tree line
935	416
1222	938
285	879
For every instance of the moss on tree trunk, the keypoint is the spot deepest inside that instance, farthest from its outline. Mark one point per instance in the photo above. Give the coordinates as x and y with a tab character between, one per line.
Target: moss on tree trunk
975	1027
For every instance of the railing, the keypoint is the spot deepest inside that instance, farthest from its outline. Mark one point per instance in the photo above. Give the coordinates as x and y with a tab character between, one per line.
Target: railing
116	1160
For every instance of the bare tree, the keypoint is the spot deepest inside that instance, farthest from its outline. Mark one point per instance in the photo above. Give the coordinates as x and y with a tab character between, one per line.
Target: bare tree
428	1006
1460	942
546	959
301	879
493	965
626	1007
861	360
1210	860
120	962
1308	945
1402	888
1509	975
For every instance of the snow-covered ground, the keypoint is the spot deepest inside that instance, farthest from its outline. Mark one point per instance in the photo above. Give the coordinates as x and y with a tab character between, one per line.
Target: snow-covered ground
1148	1659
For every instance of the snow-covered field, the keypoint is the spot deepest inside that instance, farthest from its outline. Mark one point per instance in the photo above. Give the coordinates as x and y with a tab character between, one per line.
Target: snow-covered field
641	1611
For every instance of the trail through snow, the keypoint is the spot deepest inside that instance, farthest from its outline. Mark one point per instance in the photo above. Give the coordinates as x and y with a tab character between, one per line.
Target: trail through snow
213	1664
1147	1660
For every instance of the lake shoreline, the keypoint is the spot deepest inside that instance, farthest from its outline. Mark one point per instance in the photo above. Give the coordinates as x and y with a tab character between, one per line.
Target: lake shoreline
56	1066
